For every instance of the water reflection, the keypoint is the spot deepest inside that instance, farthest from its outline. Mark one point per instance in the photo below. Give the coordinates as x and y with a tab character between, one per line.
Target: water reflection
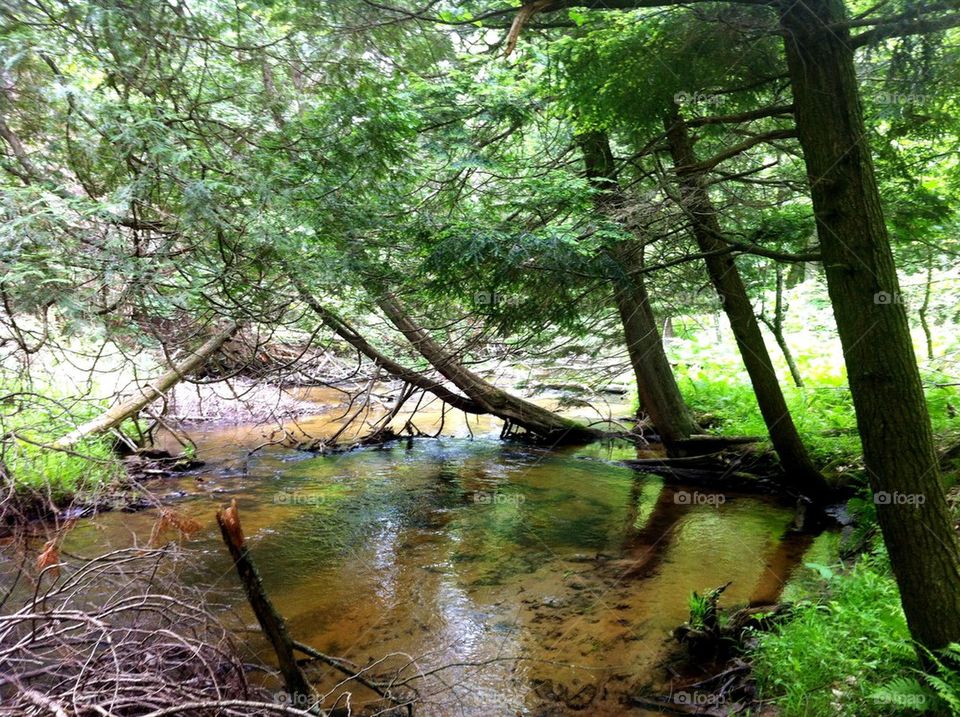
452	551
455	551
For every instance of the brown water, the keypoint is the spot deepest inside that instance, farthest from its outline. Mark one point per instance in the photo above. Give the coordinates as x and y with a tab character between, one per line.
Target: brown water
472	551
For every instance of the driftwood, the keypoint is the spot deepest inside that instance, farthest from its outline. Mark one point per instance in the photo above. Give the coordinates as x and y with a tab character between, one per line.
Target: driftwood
702	444
147	394
742	470
300	691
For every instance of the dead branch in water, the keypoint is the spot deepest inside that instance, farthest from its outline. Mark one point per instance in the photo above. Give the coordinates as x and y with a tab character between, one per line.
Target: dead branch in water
270	620
274	626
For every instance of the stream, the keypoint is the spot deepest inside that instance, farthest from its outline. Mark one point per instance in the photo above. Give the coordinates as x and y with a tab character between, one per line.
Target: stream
465	549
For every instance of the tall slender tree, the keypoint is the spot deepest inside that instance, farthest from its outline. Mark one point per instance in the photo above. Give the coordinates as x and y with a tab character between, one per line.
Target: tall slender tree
725	276
656	385
892	415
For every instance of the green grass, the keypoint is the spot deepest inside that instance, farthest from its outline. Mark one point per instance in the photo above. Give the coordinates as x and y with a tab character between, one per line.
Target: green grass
713	381
822	410
27	419
838	653
699	609
57	475
849	653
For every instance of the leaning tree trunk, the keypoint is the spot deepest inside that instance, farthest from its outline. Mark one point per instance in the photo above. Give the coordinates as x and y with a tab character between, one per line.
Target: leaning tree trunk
871	320
725	276
501	404
147	394
656	385
397	370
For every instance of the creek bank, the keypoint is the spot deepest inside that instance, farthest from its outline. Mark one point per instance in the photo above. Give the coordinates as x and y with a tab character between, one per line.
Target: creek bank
130	495
710	667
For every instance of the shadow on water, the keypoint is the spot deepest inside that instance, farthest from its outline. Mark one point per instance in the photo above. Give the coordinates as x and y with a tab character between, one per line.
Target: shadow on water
456	551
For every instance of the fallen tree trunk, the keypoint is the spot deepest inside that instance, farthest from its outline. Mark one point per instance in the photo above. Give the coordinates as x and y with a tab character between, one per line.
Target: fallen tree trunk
513	410
149	393
414	378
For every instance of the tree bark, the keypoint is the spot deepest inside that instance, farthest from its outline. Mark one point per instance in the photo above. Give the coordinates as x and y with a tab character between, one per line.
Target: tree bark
722	268
147	394
657	387
533	418
888	397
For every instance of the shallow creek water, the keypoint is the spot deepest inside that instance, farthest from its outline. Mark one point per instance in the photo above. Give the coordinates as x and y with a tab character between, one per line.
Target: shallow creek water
459	550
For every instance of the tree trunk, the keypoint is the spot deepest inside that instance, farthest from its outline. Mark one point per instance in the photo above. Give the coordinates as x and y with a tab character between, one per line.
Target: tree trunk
864	289
147	394
501	404
414	378
725	276
776	328
668	332
656	385
925	306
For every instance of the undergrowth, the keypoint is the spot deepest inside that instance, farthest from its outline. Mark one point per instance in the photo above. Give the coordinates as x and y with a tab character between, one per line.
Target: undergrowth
848	652
30	471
